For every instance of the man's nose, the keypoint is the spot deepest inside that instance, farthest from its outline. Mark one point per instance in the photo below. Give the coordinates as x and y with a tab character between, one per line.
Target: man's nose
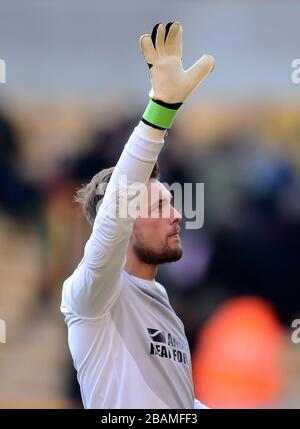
175	216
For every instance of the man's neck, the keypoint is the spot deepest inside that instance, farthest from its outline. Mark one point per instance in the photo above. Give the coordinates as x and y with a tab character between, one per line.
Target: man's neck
139	269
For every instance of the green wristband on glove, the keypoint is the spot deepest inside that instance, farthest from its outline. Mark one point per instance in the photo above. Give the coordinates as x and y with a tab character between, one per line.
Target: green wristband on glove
159	114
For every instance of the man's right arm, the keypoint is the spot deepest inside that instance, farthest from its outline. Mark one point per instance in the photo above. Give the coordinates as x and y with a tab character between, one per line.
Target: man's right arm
95	283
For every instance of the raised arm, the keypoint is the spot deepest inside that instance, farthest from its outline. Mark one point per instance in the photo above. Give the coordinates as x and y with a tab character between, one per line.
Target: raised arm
95	284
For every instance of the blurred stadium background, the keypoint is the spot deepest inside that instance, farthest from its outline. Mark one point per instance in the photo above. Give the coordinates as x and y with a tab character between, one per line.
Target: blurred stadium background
76	86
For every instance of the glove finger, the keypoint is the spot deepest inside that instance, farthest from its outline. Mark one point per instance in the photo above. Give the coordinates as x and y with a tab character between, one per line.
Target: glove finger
172	39
160	40
153	34
167	29
200	69
177	43
148	49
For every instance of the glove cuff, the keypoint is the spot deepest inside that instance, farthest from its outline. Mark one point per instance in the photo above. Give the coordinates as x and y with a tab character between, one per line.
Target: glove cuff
159	114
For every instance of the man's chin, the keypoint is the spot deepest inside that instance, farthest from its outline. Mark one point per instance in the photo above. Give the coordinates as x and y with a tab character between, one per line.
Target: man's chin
170	254
174	253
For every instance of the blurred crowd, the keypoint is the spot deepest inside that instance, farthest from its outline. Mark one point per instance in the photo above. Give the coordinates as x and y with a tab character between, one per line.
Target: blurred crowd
245	256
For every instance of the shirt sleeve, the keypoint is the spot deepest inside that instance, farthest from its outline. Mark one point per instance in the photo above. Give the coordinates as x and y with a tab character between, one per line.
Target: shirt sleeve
95	283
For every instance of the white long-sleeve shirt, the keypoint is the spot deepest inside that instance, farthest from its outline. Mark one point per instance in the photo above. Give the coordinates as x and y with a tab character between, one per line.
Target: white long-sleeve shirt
128	346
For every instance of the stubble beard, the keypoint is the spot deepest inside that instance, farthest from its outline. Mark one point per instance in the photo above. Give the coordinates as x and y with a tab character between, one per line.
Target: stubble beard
147	255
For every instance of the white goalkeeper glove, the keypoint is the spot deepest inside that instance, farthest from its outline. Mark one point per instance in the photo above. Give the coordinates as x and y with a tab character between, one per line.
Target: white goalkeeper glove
171	84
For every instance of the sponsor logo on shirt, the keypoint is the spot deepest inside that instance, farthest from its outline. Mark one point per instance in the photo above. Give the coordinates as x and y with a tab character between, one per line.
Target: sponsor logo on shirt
166	345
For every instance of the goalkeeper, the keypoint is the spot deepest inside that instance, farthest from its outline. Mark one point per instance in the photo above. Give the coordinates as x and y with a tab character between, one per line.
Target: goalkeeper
128	345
